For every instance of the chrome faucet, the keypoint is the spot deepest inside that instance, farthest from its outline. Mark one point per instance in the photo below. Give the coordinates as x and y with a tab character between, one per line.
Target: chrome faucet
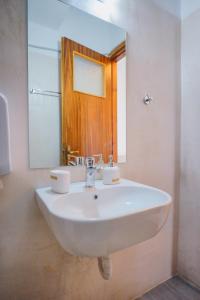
90	172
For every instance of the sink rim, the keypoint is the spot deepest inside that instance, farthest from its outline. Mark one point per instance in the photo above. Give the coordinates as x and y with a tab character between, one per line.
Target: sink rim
79	187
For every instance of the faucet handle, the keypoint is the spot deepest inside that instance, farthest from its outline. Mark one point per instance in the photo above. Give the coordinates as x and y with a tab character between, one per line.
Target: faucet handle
90	162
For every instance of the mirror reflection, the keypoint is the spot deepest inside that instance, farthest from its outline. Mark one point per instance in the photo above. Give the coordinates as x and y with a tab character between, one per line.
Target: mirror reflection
77	86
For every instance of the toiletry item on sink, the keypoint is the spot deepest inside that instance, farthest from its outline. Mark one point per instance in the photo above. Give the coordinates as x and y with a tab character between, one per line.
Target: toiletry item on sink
60	181
111	173
99	166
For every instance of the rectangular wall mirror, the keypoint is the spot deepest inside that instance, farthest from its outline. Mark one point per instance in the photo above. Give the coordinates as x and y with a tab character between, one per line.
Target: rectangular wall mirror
76	86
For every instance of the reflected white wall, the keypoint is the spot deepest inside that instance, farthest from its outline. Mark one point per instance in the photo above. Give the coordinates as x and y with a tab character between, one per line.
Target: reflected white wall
44	111
121	110
47	27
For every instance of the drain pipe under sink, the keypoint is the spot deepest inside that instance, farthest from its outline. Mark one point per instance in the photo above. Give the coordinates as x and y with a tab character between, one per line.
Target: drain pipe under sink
105	267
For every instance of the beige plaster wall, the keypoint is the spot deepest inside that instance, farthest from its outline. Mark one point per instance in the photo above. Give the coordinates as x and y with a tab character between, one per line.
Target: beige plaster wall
189	225
32	264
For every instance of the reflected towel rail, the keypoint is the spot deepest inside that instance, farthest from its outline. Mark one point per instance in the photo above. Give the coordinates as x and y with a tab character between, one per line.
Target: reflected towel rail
45	92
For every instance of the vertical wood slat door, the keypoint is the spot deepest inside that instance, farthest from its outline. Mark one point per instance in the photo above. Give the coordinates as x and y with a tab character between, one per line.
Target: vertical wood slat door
88	121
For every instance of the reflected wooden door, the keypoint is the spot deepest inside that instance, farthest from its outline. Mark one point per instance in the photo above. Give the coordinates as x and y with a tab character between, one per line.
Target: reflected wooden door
88	120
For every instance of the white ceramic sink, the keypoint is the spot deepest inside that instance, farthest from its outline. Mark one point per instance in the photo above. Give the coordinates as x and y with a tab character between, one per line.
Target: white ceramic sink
99	221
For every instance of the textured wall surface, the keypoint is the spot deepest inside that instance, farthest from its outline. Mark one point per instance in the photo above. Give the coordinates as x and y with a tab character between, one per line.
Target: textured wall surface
32	264
189	228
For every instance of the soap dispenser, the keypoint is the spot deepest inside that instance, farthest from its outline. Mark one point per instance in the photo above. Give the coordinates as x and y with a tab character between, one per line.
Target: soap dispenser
111	173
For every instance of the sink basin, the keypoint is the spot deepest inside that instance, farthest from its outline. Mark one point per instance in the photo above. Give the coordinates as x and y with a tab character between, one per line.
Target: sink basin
99	221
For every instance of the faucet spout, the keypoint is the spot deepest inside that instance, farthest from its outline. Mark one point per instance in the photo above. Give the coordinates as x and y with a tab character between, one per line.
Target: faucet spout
90	172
